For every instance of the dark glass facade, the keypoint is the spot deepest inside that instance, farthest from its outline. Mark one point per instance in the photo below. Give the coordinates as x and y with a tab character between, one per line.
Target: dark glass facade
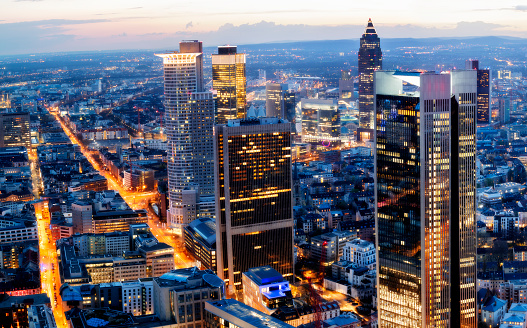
398	202
483	94
425	194
254	200
370	60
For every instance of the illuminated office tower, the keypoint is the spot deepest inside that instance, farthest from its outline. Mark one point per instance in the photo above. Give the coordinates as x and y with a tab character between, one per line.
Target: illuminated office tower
228	79
15	130
425	172
189	117
370	60
254	217
320	122
484	91
279	101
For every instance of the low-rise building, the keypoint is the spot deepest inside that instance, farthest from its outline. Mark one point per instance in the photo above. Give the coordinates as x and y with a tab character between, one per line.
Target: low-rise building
265	289
493	311
200	241
231	313
361	252
180	295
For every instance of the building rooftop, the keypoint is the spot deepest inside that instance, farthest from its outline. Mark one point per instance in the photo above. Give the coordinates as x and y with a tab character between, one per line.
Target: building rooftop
205	228
264	275
493	304
189	278
242	315
27	299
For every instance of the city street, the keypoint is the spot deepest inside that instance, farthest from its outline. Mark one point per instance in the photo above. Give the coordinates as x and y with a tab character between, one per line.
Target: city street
136	200
49	273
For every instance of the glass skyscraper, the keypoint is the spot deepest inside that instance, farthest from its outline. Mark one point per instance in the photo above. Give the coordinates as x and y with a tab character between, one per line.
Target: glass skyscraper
425	194
189	117
279	102
229	81
320	121
484	91
254	218
370	60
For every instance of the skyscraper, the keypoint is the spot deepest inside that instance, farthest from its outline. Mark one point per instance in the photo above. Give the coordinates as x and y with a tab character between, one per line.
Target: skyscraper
320	121
425	194
228	79
254	218
189	126
279	102
15	130
484	91
370	60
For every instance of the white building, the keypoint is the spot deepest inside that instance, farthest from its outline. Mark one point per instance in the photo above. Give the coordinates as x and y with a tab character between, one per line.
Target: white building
493	311
189	126
137	297
361	252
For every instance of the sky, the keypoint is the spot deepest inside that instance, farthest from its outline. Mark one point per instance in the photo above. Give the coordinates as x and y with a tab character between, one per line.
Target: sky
37	26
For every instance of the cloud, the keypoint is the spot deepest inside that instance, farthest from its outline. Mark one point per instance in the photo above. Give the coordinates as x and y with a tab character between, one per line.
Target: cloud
133	8
264	31
39	36
520	8
55	35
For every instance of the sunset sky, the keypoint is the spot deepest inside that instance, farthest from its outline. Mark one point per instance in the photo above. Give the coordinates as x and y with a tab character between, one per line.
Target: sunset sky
71	25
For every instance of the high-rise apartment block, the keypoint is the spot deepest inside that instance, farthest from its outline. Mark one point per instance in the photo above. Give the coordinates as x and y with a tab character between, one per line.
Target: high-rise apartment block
253	198
484	91
229	81
370	60
14	130
425	168
279	101
189	126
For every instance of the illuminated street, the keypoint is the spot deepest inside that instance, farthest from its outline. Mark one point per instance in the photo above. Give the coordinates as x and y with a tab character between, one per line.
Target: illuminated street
136	200
49	273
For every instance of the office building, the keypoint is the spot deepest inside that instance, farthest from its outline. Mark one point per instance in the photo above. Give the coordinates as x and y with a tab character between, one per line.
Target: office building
229	80
139	179
180	295
346	86
330	246
14	130
320	122
254	214
504	110
81	217
425	194
113	243
266	290
108	221
189	125
200	241
484	91
159	258
230	313
370	60
279	101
